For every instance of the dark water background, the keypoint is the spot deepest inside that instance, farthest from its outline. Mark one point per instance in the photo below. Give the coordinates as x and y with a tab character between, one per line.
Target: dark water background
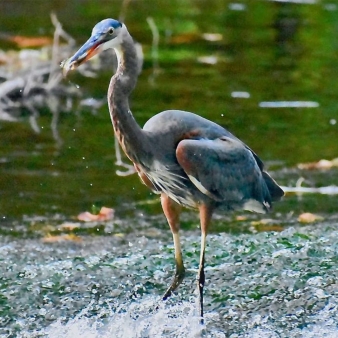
270	52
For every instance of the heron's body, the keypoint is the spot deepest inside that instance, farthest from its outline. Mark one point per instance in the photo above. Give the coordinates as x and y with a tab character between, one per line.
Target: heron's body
173	134
189	160
168	131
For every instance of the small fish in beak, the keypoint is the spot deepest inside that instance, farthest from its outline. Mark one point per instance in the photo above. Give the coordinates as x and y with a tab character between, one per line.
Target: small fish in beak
86	52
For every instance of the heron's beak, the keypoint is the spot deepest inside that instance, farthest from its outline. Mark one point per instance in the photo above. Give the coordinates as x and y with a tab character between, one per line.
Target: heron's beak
87	51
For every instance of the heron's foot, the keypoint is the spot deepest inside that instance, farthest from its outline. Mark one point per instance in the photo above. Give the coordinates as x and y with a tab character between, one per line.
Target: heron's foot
200	287
129	169
178	278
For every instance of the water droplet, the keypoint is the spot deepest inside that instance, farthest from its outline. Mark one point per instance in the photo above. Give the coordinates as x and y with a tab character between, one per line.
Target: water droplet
42	312
47	284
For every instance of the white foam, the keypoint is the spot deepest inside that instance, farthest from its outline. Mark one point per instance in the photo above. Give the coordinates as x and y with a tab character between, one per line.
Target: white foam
139	320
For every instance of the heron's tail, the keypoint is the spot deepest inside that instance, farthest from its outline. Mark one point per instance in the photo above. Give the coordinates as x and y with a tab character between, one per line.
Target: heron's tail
276	192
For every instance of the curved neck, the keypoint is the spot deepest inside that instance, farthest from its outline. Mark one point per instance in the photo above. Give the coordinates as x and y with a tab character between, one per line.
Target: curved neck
129	134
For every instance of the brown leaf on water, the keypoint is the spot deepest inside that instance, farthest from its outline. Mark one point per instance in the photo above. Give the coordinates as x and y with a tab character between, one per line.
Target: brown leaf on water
272	227
267	224
119	234
105	214
69	226
241	218
184	38
61	238
28	41
263	221
322	164
308	217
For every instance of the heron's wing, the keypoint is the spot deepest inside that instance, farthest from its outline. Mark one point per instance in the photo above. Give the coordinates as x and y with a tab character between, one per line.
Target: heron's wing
225	170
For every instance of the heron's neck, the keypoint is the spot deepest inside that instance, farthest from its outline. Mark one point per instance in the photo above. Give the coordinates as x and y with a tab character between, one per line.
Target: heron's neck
130	135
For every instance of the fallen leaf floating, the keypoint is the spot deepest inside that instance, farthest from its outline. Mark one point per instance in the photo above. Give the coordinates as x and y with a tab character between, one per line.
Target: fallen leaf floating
264	221
69	226
241	218
267	224
268	228
322	164
184	38
61	238
308	217
27	41
105	214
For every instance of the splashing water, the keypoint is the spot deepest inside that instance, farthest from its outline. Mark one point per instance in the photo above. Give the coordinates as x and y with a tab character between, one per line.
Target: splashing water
138	320
178	320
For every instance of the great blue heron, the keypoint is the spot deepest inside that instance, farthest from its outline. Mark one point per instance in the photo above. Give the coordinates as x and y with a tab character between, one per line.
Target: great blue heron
189	160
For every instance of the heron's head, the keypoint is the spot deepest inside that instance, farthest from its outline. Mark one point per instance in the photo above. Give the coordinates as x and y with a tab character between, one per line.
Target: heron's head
106	34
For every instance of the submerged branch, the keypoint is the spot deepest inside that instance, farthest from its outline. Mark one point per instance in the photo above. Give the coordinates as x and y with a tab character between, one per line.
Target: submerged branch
154	49
298	189
31	80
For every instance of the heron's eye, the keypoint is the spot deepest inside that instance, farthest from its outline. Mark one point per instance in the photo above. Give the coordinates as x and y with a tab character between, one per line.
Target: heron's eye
110	30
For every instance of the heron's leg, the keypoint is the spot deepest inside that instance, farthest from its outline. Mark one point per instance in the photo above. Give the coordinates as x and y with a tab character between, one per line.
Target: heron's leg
172	211
205	217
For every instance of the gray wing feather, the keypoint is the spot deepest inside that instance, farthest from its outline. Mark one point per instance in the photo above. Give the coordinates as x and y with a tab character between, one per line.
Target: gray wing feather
224	169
